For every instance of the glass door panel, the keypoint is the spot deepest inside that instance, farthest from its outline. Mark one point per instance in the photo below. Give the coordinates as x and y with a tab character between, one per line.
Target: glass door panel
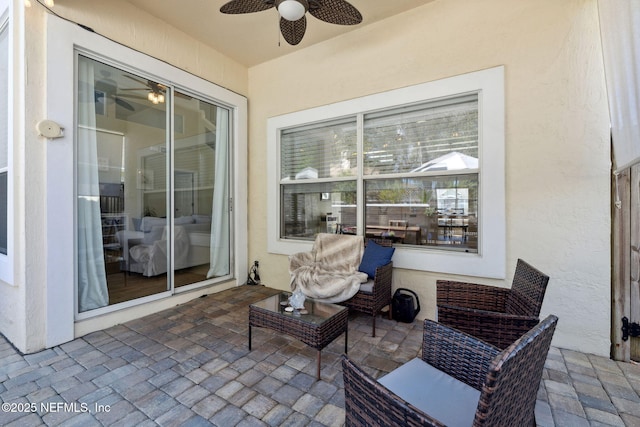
122	186
201	190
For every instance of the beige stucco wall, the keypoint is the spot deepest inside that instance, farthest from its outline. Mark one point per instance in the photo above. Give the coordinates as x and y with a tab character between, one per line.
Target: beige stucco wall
23	303
557	134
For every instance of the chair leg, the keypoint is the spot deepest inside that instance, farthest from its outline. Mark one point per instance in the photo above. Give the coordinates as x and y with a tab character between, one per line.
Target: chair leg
389	311
373	332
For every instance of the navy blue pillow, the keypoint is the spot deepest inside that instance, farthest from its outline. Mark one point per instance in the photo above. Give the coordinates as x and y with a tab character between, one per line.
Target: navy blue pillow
375	256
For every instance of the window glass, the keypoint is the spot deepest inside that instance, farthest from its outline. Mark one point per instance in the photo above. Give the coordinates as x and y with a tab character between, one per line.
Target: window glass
327	207
420	149
151	191
327	150
422	138
432	211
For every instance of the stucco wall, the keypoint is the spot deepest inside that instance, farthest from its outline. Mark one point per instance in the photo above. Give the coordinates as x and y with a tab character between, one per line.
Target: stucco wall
20	304
557	134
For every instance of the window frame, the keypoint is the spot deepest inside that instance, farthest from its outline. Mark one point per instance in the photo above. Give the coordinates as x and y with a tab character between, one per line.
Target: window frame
490	261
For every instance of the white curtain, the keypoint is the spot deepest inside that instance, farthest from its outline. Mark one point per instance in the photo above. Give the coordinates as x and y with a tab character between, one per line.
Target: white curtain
620	32
220	236
92	279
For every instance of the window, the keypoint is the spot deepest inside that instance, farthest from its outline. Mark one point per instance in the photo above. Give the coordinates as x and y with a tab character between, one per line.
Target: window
421	166
412	160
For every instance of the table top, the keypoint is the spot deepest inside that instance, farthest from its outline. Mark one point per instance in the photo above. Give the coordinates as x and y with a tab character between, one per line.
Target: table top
317	312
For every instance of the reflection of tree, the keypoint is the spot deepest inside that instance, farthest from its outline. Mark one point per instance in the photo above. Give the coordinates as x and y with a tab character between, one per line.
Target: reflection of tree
391	195
402	141
347	191
327	148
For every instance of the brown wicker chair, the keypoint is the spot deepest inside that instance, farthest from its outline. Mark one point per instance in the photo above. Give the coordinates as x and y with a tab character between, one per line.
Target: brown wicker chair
496	315
507	381
374	301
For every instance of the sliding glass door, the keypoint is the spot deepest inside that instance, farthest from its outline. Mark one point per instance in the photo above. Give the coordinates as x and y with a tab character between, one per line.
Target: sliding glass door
201	187
152	187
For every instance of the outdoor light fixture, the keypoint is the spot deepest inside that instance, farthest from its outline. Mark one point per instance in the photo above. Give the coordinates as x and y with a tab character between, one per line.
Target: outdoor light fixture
291	10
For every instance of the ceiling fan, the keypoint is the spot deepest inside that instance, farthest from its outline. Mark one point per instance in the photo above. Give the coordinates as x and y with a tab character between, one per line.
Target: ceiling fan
106	89
293	22
155	91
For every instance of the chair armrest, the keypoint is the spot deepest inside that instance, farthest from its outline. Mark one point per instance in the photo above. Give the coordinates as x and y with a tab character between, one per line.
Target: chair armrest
462	356
471	295
382	280
499	329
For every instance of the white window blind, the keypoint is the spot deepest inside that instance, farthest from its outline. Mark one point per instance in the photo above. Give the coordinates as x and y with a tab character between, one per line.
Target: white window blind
319	151
404	139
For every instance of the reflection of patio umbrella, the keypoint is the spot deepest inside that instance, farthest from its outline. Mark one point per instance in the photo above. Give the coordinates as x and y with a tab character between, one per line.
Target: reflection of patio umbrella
450	161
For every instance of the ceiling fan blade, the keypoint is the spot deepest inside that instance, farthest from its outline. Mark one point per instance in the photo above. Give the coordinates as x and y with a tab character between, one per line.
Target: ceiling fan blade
124	104
293	31
338	12
124	95
246	6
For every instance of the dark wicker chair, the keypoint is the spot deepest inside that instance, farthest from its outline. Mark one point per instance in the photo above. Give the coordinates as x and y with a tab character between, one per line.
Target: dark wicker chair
496	315
508	381
372	302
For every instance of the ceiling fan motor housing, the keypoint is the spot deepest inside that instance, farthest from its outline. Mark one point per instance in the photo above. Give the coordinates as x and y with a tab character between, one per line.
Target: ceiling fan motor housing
290	11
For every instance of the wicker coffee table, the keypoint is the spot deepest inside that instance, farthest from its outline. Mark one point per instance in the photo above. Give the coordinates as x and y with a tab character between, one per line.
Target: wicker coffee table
317	328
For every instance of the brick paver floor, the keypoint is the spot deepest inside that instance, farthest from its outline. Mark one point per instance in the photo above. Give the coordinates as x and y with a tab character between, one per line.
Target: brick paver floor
190	365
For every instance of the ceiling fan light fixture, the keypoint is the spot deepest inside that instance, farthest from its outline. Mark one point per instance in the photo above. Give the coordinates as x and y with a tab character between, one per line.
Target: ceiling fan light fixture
155	98
291	10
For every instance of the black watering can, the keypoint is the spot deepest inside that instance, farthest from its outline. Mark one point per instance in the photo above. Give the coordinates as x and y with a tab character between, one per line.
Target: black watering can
404	305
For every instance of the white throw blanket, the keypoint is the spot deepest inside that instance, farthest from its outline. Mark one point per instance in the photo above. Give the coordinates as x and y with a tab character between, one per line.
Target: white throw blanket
330	271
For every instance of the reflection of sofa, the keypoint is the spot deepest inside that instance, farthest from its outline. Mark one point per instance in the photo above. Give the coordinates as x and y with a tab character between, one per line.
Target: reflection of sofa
145	250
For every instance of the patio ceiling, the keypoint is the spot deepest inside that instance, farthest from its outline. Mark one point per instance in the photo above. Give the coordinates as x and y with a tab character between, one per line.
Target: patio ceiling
254	38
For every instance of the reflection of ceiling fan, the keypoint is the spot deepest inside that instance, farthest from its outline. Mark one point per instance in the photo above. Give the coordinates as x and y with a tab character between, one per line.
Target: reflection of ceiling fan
293	23
106	91
155	91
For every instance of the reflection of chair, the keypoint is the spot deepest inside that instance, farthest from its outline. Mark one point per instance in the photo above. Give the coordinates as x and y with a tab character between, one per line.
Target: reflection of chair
374	295
496	315
460	380
397	223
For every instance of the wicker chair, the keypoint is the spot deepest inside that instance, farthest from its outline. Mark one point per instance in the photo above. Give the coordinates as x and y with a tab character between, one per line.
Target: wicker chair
371	302
506	383
496	315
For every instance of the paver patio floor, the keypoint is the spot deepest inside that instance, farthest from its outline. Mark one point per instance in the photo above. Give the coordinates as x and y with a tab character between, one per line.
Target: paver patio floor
190	365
